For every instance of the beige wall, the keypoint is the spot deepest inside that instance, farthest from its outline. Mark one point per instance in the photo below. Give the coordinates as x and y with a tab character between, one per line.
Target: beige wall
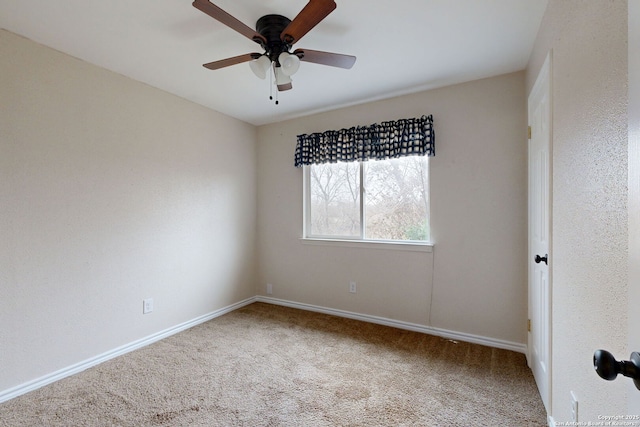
110	192
474	282
589	213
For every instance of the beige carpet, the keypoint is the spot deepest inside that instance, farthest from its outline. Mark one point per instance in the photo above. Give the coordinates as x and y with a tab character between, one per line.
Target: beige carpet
266	365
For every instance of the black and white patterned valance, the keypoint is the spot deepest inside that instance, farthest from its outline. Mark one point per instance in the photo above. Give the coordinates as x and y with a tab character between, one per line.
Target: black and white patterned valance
387	140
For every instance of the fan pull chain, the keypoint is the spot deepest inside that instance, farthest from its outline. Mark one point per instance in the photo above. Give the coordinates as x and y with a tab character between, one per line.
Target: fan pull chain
273	69
271	83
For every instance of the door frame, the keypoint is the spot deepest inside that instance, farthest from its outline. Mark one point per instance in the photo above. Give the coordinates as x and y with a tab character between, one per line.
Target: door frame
544	77
633	117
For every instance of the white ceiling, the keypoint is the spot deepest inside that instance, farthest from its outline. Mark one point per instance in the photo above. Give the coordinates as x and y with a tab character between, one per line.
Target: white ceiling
402	46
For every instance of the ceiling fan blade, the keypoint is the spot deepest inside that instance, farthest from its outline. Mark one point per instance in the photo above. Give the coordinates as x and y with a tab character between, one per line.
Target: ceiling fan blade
326	58
314	12
218	14
215	65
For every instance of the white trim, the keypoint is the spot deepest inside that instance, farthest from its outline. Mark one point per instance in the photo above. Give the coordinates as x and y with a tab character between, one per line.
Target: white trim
550	421
363	202
306	209
399	245
444	333
9	394
21	389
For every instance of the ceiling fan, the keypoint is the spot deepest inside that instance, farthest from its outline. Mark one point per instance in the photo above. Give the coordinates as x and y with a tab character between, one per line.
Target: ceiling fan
276	34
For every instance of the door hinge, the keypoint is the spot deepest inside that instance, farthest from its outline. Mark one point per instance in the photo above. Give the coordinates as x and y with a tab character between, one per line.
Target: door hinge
529	325
529	132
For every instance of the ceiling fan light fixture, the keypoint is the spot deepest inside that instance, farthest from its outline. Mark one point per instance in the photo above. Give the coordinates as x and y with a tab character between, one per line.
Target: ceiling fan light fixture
260	66
289	63
283	81
276	34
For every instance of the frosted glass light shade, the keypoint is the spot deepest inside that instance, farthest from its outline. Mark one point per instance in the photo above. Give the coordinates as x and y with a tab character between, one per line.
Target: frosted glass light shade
282	80
289	63
260	66
281	77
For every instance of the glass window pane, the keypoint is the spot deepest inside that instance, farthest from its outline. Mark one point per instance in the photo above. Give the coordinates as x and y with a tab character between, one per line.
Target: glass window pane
335	199
397	199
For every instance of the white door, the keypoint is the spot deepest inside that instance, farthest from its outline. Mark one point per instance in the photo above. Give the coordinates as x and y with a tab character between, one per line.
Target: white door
633	402
539	340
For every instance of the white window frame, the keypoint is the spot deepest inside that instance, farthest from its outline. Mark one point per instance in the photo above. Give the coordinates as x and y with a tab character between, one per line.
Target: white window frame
355	241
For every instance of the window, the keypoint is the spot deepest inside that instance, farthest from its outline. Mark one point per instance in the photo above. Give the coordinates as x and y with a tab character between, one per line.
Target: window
372	200
368	182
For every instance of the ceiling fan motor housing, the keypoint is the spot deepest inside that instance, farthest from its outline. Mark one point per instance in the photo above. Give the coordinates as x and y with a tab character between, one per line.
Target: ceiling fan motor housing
271	27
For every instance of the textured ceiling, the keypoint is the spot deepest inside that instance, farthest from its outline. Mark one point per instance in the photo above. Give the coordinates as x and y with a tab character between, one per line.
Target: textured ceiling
402	46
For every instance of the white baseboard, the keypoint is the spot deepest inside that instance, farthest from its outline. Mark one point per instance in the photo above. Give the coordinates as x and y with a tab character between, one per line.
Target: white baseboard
86	364
456	336
9	394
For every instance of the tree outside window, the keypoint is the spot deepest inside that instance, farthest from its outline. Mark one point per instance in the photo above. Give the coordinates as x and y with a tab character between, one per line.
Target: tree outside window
374	200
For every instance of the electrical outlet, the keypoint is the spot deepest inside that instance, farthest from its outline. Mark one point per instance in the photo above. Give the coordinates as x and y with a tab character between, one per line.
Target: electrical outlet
574	408
352	287
147	306
269	288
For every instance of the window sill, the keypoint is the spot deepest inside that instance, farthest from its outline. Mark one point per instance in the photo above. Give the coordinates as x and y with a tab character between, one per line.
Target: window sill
371	244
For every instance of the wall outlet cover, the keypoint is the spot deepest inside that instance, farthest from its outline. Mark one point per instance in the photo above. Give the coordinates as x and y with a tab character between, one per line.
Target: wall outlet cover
147	305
